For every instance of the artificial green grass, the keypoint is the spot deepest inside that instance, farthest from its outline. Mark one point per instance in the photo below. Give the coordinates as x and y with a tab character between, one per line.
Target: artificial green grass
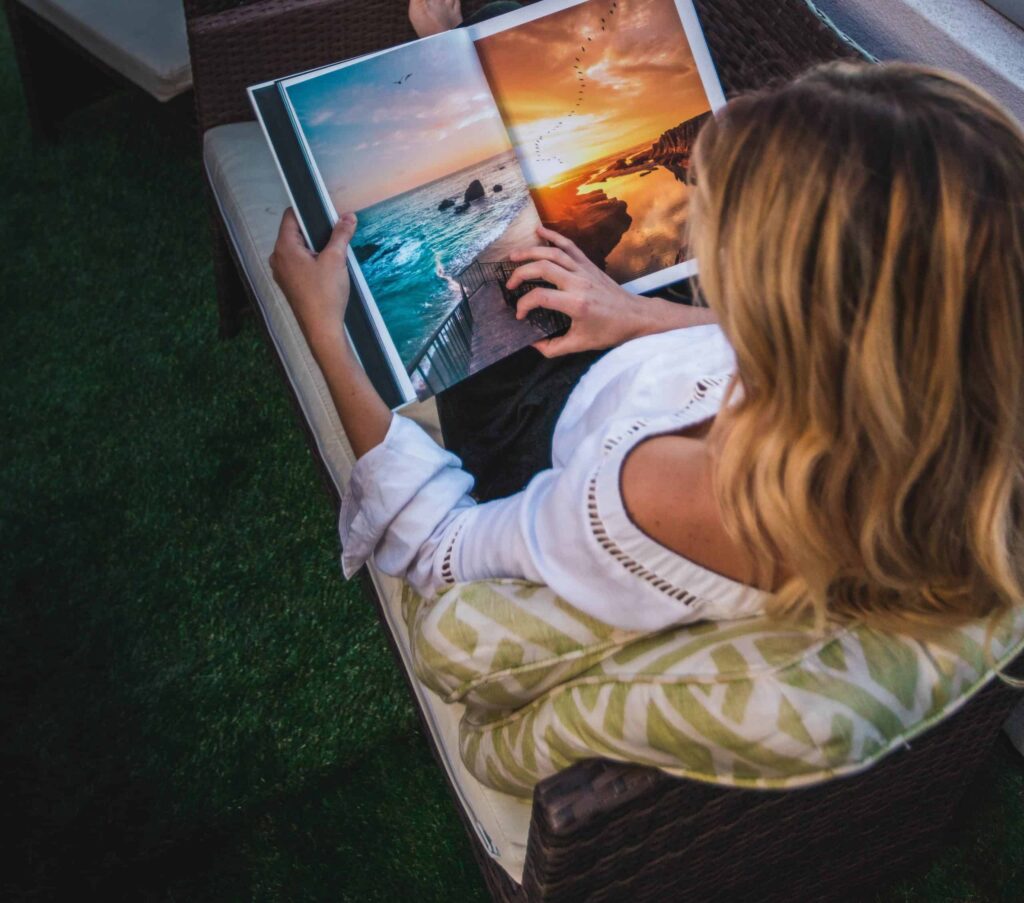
195	705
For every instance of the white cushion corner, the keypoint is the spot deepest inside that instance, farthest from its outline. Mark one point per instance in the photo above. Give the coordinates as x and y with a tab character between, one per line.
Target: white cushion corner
145	40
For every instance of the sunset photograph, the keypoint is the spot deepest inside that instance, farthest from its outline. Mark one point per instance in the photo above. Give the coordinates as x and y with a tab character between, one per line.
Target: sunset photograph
603	101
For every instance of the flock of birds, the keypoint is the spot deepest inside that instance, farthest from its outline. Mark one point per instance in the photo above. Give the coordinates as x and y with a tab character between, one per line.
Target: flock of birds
581	87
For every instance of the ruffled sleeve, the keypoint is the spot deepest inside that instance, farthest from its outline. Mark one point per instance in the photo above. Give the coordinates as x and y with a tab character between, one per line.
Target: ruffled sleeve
401	499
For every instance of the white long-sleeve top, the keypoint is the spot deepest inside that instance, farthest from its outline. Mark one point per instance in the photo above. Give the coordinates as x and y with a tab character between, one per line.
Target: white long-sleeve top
407	505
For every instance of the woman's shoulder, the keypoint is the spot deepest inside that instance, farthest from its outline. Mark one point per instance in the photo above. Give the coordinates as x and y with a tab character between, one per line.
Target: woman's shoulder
667	494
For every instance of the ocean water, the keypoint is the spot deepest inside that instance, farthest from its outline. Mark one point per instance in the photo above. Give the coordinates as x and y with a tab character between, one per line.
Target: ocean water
421	249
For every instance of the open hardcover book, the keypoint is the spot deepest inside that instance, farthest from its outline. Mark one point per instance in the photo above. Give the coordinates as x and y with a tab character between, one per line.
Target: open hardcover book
579	114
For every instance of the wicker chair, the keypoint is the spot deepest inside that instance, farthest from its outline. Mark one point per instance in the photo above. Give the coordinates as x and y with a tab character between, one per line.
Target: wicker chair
71	53
601	830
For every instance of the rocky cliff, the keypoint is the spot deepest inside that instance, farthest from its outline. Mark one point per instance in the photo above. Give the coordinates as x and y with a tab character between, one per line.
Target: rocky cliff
672	149
595	224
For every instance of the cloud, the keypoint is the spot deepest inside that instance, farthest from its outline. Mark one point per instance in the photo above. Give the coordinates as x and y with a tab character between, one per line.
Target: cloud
321	117
631	75
480	115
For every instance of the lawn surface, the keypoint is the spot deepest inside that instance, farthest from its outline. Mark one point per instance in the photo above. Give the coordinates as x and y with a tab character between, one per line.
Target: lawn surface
195	705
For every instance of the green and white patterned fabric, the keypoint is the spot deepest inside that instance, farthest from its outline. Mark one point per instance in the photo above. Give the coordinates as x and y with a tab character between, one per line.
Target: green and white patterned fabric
747	703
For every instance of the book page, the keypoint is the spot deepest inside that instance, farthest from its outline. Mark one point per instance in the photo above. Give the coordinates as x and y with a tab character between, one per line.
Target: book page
603	100
412	142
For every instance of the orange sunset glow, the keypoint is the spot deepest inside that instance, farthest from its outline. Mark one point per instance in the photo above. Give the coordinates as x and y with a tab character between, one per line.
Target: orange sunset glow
591	81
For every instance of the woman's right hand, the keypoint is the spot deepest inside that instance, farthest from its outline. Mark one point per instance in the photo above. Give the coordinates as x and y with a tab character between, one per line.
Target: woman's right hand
603	313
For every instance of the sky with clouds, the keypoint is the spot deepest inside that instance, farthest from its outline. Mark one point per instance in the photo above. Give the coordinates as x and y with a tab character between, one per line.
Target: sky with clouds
632	61
398	120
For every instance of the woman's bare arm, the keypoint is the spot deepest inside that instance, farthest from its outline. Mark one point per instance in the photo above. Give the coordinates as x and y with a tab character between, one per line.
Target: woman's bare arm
317	288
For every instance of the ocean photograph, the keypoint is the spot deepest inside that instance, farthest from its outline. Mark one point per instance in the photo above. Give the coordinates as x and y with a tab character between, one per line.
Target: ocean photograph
412	142
413	246
603	102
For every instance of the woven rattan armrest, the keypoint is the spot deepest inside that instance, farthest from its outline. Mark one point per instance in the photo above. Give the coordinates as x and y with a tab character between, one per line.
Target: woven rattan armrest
605	830
244	45
234	47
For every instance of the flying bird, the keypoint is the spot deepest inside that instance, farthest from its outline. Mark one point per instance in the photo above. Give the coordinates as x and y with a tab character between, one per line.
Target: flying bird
403	79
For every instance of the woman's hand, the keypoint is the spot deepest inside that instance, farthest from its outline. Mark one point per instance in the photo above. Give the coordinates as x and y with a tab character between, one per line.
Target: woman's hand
316	285
603	313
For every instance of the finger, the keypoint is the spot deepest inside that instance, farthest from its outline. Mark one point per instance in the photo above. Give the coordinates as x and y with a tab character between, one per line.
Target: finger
540	269
545	252
290	244
341	235
289	234
559	345
549	298
562	243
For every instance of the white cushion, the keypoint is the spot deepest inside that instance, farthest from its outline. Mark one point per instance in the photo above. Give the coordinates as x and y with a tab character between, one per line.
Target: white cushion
248	190
144	40
965	36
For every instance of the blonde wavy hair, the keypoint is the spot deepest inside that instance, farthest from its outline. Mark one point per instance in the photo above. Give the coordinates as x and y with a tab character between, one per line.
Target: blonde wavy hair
860	234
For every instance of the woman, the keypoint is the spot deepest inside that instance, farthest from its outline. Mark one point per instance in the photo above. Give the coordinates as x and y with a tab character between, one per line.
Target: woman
846	441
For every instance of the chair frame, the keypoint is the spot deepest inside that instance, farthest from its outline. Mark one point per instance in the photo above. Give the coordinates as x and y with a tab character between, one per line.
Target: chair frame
602	830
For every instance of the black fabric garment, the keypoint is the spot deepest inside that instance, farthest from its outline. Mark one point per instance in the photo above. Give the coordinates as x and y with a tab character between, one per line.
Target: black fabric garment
500	421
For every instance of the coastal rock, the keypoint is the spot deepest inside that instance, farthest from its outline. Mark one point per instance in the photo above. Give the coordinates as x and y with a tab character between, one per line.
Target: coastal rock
679	139
641	162
445	204
672	150
365	252
496	189
462	208
596	225
474	192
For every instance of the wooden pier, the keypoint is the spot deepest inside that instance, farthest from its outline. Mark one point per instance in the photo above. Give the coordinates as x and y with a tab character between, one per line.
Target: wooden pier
480	330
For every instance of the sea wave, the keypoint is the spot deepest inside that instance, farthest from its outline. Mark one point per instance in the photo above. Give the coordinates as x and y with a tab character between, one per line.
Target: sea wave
421	249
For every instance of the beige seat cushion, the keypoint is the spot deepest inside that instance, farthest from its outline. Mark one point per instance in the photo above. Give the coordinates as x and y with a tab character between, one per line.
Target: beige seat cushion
251	197
144	40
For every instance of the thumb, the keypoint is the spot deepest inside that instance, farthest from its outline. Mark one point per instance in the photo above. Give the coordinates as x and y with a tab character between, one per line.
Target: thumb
341	234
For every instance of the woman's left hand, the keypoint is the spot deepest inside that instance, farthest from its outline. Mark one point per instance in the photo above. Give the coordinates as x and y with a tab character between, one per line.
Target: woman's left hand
316	285
603	313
